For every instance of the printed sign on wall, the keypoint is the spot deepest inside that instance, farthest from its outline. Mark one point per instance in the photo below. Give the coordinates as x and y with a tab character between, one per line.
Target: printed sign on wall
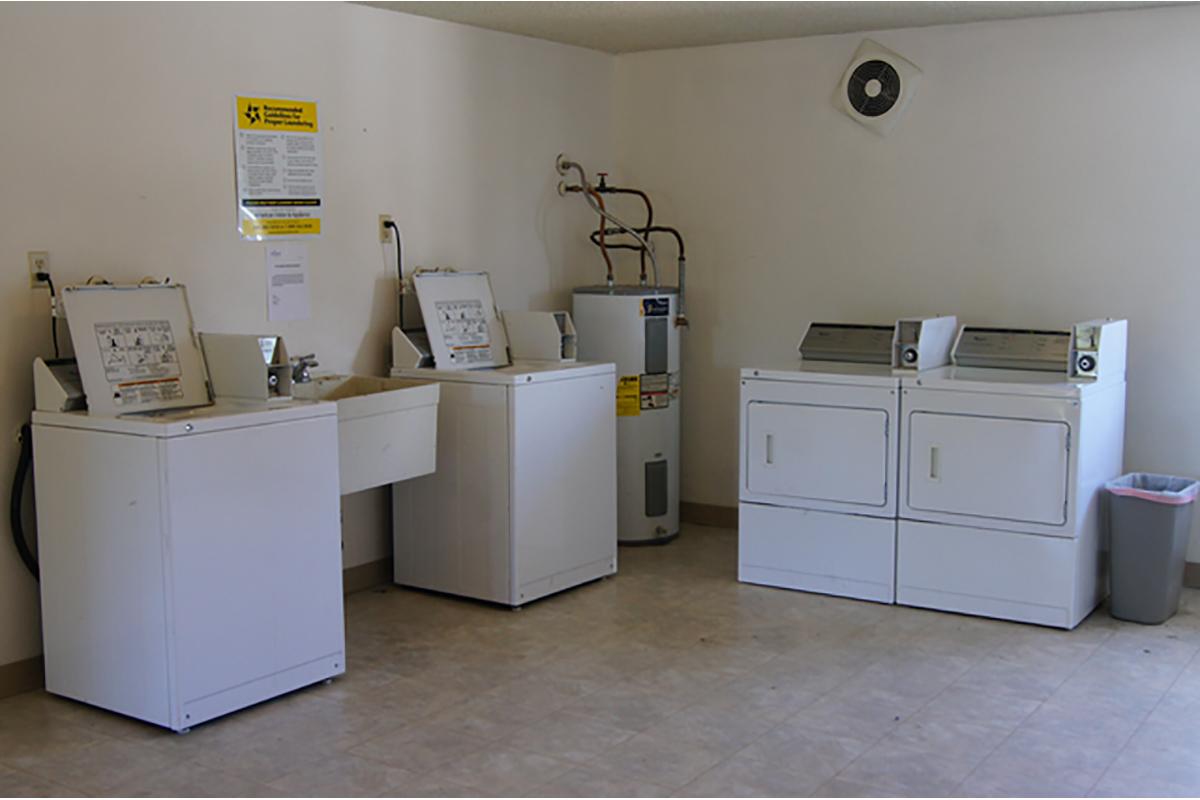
279	177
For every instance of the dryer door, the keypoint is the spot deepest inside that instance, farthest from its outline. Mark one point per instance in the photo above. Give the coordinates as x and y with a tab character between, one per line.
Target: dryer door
818	452
989	467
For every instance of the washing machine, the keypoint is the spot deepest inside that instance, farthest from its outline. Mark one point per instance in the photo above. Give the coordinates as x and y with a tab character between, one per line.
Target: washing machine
1003	462
818	457
190	550
523	503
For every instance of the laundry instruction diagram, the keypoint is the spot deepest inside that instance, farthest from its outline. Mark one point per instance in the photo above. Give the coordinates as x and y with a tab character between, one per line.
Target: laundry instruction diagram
465	329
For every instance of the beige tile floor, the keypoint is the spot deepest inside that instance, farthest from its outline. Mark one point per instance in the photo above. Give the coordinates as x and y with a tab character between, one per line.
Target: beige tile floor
671	678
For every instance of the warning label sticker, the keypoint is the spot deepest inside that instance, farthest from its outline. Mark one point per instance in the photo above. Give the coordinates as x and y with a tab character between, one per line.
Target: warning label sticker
654	393
142	392
132	351
628	392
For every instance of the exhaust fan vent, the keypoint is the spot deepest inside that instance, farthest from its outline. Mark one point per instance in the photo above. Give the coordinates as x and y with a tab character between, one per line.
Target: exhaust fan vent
877	86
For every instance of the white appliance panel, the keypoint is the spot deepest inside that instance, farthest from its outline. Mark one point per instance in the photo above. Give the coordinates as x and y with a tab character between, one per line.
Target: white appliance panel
853	469
987	467
453	531
191	575
104	615
257	575
523	501
816	551
818	452
564	498
1046	580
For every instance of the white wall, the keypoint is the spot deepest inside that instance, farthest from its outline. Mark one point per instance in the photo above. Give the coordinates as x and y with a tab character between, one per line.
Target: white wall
116	157
1045	173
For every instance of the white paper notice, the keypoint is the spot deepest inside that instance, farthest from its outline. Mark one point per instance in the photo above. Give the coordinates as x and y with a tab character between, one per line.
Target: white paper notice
287	281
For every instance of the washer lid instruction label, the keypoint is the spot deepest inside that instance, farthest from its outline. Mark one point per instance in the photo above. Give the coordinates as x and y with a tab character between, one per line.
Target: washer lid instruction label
140	361
464	327
136	350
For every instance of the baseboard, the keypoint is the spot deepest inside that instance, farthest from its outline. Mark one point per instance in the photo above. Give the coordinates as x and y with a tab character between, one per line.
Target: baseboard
708	515
21	676
365	576
1191	575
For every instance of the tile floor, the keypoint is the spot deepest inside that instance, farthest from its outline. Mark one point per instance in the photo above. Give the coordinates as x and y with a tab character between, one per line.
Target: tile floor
671	678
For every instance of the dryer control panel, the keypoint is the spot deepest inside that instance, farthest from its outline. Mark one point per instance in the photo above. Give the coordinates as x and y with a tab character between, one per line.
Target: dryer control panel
1087	351
1012	348
1098	349
856	344
923	342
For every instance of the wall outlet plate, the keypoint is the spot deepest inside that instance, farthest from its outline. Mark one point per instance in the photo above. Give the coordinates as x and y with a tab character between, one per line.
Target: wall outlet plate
385	233
39	261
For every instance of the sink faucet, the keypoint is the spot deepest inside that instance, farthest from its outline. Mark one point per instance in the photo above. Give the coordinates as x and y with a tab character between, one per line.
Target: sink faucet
300	367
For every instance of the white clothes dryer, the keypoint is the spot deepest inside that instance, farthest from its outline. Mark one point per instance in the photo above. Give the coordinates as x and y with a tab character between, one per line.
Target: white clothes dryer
819	448
1002	466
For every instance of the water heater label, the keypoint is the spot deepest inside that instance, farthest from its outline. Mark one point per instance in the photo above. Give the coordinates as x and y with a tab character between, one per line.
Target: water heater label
655	392
656	307
628	396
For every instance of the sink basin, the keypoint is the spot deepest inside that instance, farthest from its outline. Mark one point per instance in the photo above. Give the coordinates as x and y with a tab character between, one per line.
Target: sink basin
387	427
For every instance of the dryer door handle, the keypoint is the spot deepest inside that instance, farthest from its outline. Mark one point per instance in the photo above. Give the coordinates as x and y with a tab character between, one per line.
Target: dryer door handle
935	462
769	452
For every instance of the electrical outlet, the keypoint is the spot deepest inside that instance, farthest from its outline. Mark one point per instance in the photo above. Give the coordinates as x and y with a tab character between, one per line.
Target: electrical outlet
39	261
385	233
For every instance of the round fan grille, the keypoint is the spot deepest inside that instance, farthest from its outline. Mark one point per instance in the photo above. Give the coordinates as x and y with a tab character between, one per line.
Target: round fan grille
874	87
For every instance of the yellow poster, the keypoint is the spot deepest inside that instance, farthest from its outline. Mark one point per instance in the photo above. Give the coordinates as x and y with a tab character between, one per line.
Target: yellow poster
280	184
629	394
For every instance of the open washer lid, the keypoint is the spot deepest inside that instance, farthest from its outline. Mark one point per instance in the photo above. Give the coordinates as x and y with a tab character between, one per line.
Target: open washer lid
136	347
464	330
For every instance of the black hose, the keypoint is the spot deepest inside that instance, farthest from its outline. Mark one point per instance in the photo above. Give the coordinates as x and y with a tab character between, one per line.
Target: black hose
24	463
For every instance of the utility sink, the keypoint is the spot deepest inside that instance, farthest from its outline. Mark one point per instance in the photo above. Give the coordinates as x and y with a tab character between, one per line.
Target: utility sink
387	427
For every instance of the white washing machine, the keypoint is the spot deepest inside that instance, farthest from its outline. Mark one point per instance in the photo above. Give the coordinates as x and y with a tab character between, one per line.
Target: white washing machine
1003	461
190	551
819	447
523	503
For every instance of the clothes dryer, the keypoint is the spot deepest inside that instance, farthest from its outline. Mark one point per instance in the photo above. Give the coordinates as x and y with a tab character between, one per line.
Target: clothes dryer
818	461
1003	461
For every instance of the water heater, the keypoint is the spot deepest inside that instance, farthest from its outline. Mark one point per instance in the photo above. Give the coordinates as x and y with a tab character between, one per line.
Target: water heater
634	328
637	327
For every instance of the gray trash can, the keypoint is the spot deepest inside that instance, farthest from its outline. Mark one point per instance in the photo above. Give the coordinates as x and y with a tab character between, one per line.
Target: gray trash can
1150	520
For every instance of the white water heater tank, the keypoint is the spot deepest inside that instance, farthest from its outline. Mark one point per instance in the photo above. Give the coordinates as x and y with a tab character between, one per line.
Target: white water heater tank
634	328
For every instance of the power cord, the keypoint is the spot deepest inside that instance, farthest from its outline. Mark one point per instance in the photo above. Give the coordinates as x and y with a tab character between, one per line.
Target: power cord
45	276
399	265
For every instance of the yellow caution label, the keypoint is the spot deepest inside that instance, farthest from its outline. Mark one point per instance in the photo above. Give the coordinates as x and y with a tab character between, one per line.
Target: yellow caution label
262	228
273	114
629	396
